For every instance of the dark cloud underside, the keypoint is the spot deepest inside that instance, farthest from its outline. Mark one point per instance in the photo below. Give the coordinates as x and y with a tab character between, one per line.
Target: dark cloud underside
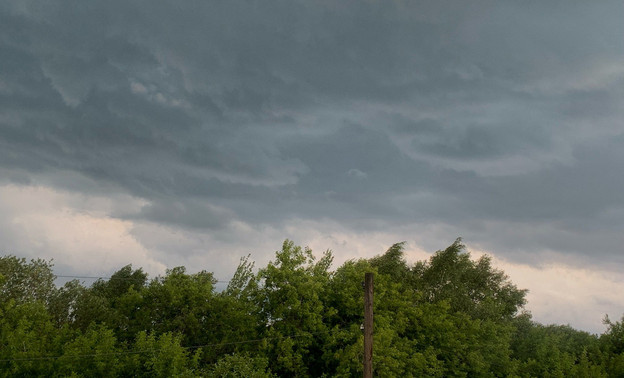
372	114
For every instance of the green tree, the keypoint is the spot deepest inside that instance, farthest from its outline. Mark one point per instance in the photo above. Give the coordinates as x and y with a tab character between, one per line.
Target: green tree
612	345
92	354
64	301
448	316
161	356
392	263
471	287
554	351
182	303
397	352
29	340
292	310
241	366
25	281
27	332
236	315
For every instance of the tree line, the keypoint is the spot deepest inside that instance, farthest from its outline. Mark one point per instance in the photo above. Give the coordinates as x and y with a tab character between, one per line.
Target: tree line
449	316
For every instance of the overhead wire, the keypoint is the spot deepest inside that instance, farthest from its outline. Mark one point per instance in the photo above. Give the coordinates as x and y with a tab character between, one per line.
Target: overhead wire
151	350
114	278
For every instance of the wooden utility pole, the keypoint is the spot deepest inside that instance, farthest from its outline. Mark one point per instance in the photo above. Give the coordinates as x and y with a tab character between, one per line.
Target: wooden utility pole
368	325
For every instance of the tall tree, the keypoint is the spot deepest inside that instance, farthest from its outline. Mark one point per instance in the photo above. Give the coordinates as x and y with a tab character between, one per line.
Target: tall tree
292	309
25	281
471	287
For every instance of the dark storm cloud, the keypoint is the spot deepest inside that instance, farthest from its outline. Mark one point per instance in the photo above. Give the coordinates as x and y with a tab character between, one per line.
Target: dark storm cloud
366	113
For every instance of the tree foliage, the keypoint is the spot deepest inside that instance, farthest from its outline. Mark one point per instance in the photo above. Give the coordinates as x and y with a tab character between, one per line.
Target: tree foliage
448	316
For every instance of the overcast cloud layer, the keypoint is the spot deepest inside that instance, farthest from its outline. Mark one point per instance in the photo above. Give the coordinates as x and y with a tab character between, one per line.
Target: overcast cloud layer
193	133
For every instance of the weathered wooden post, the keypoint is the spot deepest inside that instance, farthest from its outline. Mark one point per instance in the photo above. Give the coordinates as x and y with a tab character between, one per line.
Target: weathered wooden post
368	325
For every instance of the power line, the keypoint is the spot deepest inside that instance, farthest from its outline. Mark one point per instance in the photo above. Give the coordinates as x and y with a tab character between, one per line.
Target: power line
116	278
98	277
40	358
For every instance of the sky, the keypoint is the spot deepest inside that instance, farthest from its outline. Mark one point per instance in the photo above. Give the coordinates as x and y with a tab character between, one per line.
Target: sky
167	133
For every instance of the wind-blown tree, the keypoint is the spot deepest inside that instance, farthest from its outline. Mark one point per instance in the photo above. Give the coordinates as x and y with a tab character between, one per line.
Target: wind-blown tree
392	263
612	345
64	301
448	331
28	333
448	316
182	303
292	311
24	281
396	353
471	287
239	316
26	328
116	302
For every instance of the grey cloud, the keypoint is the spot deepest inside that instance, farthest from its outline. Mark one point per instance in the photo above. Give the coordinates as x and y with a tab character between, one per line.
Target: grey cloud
593	104
185	213
356	173
367	113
